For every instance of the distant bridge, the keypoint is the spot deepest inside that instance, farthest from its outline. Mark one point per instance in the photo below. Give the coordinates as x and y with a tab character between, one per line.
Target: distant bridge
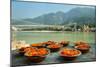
21	27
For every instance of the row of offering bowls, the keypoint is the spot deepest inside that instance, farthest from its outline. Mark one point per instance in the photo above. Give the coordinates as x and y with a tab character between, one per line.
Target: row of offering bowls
38	52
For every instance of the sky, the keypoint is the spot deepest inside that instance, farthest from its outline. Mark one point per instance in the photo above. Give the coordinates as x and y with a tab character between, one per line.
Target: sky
22	10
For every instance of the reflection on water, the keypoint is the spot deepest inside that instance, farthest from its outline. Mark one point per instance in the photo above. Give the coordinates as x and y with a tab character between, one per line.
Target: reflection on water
34	37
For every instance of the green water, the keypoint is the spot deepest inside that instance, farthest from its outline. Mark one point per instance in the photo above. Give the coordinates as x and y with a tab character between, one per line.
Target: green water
34	37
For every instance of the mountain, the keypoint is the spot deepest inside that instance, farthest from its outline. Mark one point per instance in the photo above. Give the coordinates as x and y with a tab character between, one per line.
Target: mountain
78	15
51	18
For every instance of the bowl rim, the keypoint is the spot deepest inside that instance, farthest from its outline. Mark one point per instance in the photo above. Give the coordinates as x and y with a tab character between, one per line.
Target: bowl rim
54	48
70	56
37	45
21	48
76	47
39	55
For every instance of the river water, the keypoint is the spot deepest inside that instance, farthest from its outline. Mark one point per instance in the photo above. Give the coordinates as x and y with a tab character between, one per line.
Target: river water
35	37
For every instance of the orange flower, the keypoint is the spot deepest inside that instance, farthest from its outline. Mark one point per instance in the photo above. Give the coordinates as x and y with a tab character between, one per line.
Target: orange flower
36	44
42	51
37	52
54	46
83	46
69	52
